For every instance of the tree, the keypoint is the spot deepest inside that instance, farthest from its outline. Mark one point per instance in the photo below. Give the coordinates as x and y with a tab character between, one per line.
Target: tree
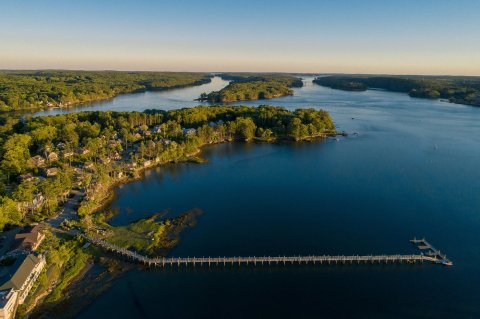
9	213
44	135
245	128
16	153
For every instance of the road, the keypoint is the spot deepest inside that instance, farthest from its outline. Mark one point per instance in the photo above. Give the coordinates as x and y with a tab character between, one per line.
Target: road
69	211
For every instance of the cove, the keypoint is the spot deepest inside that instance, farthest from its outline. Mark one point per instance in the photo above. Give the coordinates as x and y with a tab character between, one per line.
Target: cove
412	170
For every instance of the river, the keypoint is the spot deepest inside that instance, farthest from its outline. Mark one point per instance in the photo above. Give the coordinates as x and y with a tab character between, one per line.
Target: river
412	170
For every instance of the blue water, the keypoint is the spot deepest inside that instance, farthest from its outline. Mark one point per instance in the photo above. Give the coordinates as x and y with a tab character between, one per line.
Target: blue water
166	100
411	171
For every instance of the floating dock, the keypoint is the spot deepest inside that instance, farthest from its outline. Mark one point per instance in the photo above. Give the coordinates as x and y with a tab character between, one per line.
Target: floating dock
428	254
430	251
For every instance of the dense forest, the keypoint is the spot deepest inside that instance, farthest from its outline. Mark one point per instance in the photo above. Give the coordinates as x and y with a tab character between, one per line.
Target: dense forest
250	86
462	90
42	89
42	159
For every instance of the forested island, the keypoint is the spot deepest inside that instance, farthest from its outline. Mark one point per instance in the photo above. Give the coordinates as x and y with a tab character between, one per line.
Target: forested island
56	88
462	90
48	162
250	86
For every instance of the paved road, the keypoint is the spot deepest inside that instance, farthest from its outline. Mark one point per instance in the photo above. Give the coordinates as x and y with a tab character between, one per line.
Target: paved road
69	210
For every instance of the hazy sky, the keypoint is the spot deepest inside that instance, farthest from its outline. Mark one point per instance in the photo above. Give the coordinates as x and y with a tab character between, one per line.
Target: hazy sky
356	36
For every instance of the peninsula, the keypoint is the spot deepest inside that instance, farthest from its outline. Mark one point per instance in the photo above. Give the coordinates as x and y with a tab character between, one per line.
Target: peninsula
54	88
251	86
455	89
59	171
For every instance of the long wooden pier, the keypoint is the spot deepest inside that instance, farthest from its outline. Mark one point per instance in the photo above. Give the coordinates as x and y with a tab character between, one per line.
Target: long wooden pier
432	256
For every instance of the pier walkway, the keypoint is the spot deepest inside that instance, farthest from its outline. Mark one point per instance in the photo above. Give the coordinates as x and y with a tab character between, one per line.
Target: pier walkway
432	256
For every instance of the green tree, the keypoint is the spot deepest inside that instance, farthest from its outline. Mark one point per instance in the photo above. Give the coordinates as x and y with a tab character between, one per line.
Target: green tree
245	128
9	213
15	154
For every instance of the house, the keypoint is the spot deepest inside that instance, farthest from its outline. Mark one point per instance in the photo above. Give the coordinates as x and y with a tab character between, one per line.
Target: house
214	124
30	239
115	156
131	166
16	281
67	154
49	172
27	177
61	145
52	157
137	136
113	143
83	151
157	129
189	131
78	171
37	161
165	141
147	163
89	165
105	160
37	202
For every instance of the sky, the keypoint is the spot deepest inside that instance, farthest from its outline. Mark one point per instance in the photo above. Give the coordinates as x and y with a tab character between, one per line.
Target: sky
339	36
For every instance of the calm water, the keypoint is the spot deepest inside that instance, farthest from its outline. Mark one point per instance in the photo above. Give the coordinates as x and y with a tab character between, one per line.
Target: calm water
166	100
411	171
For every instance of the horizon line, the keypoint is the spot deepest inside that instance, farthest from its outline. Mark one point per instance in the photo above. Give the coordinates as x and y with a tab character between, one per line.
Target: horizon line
255	72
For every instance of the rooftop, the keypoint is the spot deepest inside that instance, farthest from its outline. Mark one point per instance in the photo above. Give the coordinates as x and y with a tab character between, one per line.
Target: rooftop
4	297
29	238
14	276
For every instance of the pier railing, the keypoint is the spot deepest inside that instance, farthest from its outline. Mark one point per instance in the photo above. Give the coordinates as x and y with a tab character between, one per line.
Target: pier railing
431	255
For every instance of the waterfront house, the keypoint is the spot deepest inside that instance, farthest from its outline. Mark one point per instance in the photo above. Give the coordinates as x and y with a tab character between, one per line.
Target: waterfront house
16	281
131	166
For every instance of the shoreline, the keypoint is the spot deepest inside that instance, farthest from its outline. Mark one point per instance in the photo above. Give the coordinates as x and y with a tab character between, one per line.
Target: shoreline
139	173
440	99
70	105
